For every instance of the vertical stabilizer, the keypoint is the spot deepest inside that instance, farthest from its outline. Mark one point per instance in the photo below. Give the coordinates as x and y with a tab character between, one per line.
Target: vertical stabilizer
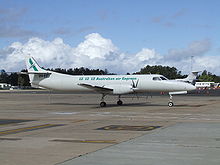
32	65
190	78
35	72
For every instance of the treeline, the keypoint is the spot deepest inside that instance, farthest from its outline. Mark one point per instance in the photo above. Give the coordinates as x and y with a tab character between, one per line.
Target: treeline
16	79
173	73
169	72
207	77
81	71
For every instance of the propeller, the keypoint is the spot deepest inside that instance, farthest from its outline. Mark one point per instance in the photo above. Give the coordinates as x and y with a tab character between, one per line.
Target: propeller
134	85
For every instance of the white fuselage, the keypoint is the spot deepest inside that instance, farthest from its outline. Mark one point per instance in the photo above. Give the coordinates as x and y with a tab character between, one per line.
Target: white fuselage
121	84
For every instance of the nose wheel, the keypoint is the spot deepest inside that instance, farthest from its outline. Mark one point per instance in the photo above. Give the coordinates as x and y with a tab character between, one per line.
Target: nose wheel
170	103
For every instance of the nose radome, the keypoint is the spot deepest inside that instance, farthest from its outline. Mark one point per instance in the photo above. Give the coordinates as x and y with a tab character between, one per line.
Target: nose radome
190	87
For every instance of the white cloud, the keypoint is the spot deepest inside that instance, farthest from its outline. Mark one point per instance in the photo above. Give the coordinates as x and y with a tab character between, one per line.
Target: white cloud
95	46
98	52
196	48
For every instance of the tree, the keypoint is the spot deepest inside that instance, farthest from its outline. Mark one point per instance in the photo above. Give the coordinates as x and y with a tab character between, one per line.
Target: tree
169	72
4	77
207	77
13	79
23	79
81	71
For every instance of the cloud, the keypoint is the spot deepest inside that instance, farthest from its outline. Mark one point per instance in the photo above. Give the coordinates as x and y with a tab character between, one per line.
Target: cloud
158	19
10	23
103	14
169	21
64	31
196	48
15	31
99	52
11	15
179	13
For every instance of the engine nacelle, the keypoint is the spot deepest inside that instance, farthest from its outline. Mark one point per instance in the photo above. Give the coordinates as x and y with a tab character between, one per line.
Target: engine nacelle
119	89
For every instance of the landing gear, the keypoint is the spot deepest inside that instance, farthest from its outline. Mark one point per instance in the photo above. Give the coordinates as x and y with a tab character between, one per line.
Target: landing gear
119	102
170	103
103	103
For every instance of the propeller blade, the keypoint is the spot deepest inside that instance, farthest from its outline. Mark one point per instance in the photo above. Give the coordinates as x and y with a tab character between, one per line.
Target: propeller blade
137	83
134	85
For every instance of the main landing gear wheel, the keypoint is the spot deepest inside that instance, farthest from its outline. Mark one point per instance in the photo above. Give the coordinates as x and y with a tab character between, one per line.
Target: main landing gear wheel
170	104
119	102
103	104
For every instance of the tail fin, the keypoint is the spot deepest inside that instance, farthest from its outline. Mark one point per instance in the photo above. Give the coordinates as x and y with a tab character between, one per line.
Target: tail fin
192	76
32	65
35	72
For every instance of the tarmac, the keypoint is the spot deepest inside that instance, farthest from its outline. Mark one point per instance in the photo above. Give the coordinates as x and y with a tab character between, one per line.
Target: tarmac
65	129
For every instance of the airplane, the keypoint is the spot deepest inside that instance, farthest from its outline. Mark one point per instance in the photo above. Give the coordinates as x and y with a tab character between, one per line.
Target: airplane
104	84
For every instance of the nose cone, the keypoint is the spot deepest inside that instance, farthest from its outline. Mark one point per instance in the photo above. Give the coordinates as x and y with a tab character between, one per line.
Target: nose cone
190	87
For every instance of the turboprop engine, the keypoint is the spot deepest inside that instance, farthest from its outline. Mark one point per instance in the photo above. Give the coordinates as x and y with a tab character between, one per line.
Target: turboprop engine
120	90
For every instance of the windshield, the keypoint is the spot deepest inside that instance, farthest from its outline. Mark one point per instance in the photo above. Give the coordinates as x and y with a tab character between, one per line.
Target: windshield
163	78
159	78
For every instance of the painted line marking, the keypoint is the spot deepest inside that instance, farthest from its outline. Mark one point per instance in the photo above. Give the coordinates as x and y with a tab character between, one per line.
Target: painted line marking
12	121
85	141
128	128
10	139
78	121
26	129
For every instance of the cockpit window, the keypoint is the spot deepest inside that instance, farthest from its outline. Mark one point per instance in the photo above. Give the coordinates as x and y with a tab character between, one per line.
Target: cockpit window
159	78
163	78
156	78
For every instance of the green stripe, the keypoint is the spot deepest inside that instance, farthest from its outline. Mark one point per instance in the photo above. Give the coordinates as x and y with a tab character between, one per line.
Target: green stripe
32	65
30	61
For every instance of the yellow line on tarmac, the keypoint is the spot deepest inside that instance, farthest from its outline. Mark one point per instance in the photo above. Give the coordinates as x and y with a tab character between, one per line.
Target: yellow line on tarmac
25	129
78	121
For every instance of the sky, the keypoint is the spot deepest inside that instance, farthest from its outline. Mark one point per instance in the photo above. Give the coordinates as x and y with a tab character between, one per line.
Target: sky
119	35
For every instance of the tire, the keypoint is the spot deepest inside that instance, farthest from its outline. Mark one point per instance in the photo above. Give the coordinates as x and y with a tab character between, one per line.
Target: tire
103	104
170	104
119	102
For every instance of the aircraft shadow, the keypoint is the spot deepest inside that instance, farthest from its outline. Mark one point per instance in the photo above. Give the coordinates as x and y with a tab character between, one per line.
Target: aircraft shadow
144	104
83	104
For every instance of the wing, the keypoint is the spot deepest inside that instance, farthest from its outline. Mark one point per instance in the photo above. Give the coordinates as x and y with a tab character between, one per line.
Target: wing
100	89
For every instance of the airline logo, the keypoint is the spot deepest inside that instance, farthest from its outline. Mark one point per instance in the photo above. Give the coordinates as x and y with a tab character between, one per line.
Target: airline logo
32	65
